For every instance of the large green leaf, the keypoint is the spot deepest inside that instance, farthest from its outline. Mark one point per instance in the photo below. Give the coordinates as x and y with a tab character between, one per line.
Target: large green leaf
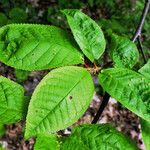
37	47
11	101
59	100
47	142
129	88
145	70
87	33
124	52
145	127
97	137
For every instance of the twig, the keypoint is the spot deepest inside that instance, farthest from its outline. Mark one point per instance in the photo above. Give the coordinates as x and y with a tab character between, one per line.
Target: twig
141	49
101	108
142	20
136	36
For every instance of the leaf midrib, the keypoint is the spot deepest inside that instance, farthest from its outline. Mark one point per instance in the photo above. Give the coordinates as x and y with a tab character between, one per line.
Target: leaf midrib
61	100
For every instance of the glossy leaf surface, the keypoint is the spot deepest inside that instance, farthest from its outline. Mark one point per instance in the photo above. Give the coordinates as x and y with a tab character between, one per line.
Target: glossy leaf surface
11	101
129	88
124	52
97	137
59	100
87	33
37	47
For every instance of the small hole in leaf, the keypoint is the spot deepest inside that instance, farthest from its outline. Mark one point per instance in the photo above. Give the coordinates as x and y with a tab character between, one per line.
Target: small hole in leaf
70	97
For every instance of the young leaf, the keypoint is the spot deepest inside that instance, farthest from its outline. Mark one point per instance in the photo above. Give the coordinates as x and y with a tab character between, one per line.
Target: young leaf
47	142
129	88
145	127
36	47
97	137
11	101
87	33
59	100
145	70
124	52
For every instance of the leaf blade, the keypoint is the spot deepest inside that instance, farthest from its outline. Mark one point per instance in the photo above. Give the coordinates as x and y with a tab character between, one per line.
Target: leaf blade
12	101
129	88
60	106
145	70
47	141
123	52
87	33
96	137
145	127
37	47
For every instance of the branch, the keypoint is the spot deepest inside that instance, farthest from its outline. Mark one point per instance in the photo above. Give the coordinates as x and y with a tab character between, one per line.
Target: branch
142	20
101	108
141	49
137	36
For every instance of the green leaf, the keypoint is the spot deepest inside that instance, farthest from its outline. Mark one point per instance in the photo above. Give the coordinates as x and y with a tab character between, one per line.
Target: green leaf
145	70
47	142
2	130
124	52
18	15
97	137
87	33
21	75
59	100
145	127
3	19
11	101
37	47
129	88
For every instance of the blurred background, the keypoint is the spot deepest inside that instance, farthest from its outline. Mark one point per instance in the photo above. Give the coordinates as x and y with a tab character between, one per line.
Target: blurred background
118	16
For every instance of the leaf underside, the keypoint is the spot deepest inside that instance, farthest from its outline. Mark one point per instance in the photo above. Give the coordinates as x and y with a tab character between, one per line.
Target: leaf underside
59	100
124	52
129	88
97	137
11	101
87	33
37	47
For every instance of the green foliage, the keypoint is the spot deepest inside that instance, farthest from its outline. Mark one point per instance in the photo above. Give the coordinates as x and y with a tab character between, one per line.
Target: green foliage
2	130
87	33
36	47
59	100
145	127
17	15
21	75
11	101
97	137
145	70
47	142
3	19
123	52
129	88
64	94
1	148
